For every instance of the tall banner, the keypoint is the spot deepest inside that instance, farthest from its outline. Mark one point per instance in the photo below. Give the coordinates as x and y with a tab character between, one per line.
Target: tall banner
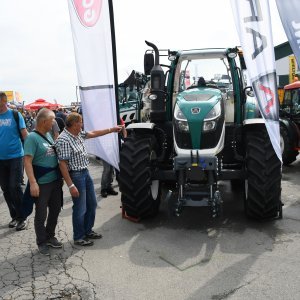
252	20
93	38
289	11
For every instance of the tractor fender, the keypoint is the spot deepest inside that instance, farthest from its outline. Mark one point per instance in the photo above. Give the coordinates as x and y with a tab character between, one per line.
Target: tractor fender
150	128
254	121
251	125
290	127
141	126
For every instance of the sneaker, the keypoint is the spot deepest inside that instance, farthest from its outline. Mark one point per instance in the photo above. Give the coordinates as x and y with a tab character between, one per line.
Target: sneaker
21	225
94	235
111	191
44	249
13	223
84	242
54	243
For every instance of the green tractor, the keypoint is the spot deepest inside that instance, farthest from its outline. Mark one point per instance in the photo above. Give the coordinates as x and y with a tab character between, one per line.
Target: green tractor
204	127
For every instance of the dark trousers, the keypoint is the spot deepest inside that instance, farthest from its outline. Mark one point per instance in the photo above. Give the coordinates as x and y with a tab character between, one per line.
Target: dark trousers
50	197
107	176
10	182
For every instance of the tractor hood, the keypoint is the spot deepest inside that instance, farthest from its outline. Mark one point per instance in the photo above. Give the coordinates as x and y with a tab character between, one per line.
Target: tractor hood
195	104
203	98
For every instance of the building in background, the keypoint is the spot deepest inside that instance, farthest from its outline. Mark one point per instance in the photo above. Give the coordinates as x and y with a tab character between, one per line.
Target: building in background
286	65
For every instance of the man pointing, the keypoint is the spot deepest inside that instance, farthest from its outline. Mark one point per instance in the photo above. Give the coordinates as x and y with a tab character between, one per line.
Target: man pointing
74	163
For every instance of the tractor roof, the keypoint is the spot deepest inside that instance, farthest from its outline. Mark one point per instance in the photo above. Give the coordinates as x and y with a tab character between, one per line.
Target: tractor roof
203	53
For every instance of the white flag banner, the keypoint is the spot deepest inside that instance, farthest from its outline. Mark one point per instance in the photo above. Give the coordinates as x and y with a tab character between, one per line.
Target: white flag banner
253	23
289	11
92	38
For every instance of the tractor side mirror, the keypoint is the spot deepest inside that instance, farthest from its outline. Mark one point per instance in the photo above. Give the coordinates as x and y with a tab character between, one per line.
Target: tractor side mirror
148	63
248	91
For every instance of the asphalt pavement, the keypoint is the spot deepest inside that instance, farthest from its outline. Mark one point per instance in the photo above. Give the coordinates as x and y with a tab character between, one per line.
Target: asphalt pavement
190	257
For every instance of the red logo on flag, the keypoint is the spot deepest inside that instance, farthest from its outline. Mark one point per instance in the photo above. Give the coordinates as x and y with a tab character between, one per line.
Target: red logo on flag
88	11
270	101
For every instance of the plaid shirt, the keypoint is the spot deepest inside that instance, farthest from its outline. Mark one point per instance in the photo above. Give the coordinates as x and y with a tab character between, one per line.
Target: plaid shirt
71	148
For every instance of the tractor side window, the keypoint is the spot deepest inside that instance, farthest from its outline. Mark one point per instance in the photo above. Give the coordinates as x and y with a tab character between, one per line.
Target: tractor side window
287	100
295	101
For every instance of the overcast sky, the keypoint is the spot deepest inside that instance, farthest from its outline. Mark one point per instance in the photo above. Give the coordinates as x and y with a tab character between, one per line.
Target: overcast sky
36	49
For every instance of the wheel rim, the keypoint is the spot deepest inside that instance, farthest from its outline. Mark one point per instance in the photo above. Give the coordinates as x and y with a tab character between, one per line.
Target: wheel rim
281	144
155	183
246	188
154	189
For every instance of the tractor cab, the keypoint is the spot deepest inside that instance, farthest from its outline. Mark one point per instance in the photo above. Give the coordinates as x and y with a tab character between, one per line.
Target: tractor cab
291	99
290	123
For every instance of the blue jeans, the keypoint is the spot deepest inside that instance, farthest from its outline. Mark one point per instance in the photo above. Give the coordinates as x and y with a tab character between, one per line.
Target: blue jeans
84	207
10	181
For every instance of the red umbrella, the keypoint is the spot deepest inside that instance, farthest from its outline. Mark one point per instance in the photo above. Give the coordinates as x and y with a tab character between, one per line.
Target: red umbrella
40	103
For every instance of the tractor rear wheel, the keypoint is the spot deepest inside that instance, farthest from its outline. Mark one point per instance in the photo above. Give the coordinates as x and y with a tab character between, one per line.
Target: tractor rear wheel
263	183
140	194
289	155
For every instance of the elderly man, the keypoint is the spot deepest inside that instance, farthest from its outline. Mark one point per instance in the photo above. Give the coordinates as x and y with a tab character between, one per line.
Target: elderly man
41	166
73	161
11	162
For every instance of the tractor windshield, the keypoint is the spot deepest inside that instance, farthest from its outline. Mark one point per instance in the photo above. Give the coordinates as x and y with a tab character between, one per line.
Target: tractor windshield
212	72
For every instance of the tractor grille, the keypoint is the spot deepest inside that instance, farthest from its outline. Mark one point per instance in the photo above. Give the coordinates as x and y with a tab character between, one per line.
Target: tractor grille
183	139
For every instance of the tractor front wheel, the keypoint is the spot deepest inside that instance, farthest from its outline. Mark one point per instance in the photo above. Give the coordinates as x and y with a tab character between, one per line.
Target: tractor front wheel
140	193
263	184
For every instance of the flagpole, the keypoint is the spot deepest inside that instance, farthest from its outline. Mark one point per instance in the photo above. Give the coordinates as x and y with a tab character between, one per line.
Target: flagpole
114	54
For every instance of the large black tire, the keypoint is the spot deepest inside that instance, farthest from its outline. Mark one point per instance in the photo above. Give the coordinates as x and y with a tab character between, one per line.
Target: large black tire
289	155
263	184
140	194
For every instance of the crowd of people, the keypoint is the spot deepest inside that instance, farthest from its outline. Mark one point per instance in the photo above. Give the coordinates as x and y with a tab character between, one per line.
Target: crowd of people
50	146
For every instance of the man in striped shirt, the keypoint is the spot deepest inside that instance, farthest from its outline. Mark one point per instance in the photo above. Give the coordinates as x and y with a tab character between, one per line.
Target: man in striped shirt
73	161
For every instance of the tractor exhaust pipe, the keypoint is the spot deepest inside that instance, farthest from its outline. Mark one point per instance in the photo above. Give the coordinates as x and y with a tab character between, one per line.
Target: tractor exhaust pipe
157	92
156	61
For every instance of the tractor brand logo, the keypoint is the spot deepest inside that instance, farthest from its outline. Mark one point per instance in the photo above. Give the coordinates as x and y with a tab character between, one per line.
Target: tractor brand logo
270	99
195	110
88	11
264	88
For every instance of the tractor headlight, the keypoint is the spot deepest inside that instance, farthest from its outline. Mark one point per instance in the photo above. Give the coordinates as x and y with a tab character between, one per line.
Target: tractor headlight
152	96
210	121
180	120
